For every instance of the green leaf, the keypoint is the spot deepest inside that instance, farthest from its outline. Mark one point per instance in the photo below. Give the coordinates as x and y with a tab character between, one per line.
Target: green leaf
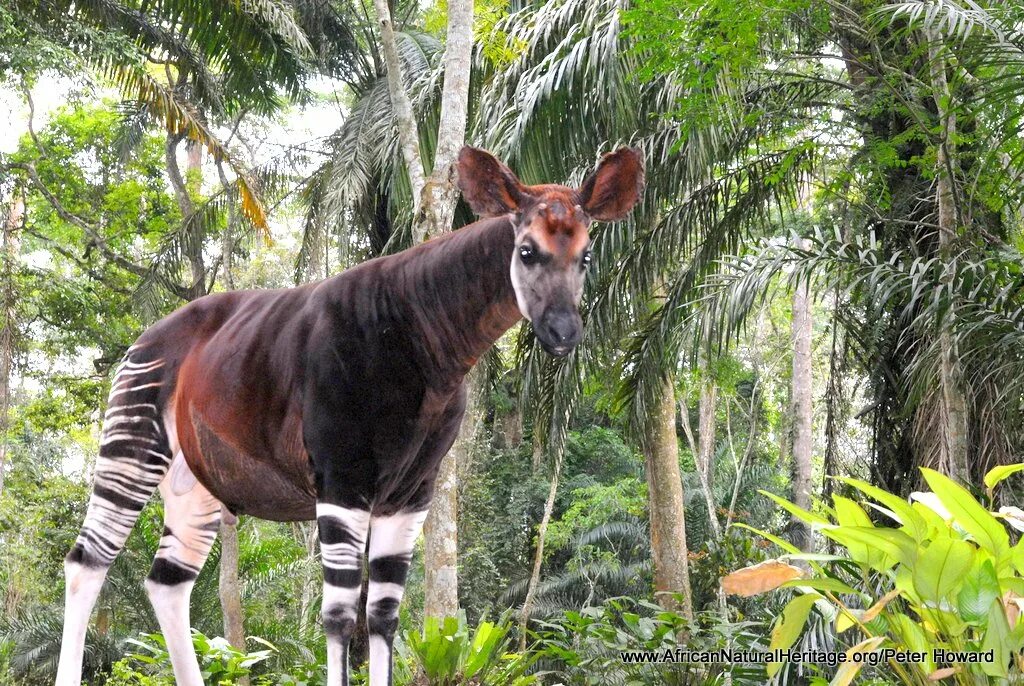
823	584
849	513
891	542
980	588
782	543
997	474
997	639
790	625
968	513
914	523
795	510
914	637
940	569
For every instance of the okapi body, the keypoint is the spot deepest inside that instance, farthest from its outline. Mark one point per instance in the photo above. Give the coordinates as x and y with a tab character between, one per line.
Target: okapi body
334	401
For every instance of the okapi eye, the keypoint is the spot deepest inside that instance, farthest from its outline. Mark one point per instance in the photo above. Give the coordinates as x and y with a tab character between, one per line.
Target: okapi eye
526	254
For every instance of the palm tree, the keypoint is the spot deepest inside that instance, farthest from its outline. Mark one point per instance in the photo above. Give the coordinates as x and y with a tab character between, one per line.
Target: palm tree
574	90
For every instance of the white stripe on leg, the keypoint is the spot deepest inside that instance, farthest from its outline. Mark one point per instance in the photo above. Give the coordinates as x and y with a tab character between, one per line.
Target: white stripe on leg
342	533
392	539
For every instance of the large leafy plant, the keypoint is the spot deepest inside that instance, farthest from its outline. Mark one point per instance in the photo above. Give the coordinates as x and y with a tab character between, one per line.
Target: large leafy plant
448	653
942	574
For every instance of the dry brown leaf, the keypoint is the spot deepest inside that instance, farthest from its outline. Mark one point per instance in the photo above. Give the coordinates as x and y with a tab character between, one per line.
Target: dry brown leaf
760	578
942	673
875	609
1013	604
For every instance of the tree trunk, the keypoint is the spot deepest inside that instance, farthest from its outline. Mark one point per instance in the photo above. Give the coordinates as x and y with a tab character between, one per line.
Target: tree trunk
440	531
950	443
439	194
230	587
802	411
12	222
668	513
706	447
401	105
434	207
538	558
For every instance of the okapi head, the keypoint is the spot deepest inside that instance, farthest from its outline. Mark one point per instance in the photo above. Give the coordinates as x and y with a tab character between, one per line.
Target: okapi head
552	242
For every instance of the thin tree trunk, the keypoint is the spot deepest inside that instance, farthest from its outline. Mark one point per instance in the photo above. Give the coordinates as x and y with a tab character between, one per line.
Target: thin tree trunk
667	509
538	558
706	448
440	531
12	223
439	194
802	411
231	587
227	243
702	445
951	442
401	104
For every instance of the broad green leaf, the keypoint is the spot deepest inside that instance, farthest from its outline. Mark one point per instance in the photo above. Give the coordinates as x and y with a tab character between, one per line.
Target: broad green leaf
892	542
782	543
790	625
909	518
795	510
997	639
997	474
980	588
968	513
1018	557
848	670
844	621
849	513
914	637
823	584
940	569
937	526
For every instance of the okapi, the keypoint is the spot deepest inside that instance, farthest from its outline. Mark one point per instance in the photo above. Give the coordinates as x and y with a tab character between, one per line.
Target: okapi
334	400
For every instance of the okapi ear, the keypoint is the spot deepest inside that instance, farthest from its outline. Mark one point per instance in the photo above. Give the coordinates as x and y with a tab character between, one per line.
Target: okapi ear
489	187
616	185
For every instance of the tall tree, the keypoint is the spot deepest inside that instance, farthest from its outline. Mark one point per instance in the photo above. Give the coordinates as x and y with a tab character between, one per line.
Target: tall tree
8	316
667	506
434	208
801	410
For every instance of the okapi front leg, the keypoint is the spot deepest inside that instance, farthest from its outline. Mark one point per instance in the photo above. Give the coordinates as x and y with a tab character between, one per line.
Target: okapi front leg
342	533
392	539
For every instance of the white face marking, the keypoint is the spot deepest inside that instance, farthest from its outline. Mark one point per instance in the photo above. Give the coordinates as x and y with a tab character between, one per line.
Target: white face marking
517	286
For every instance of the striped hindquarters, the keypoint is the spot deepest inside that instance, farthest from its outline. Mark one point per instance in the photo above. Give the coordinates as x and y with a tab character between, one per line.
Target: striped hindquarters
133	458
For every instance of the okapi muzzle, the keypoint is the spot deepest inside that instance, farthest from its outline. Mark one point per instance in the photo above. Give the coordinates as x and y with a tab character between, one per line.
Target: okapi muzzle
552	239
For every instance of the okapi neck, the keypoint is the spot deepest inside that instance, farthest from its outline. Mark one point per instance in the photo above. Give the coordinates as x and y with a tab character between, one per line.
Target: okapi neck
461	295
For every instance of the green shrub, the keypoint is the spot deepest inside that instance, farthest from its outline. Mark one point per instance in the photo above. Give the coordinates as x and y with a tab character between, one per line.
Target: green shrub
585	648
219	661
944	576
449	654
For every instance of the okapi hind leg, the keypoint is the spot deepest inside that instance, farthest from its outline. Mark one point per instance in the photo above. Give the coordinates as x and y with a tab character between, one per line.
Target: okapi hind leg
392	539
133	458
191	520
